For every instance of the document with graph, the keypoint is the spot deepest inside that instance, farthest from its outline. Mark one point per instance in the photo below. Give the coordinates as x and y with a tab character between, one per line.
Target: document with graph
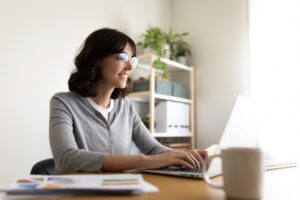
114	184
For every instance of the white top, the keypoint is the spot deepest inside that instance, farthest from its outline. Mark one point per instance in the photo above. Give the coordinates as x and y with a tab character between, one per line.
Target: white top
104	111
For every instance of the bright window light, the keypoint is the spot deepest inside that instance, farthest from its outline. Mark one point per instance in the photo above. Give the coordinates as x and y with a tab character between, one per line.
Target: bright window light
275	73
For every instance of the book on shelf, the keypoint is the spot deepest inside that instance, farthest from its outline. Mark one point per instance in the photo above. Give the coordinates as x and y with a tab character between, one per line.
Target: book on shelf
178	146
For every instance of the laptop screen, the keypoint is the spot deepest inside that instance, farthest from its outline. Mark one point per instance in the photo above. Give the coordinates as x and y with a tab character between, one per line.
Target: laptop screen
240	130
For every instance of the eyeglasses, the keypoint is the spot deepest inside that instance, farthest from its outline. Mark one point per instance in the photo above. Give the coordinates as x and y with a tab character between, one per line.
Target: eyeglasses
124	57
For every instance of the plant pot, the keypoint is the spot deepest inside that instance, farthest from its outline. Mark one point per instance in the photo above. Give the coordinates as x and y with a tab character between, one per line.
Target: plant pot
181	59
167	51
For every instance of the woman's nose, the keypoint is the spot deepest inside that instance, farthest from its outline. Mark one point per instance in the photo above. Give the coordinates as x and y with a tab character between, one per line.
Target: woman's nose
128	65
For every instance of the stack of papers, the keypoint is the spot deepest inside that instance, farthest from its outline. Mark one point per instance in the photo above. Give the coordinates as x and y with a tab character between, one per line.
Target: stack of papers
81	184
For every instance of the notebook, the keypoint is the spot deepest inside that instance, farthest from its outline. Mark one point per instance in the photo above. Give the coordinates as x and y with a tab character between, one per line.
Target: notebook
239	132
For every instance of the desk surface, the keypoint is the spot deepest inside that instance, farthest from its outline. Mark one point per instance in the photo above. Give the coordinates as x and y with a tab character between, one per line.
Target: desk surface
280	184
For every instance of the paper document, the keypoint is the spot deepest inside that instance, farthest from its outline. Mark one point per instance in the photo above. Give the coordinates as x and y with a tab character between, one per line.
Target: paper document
81	184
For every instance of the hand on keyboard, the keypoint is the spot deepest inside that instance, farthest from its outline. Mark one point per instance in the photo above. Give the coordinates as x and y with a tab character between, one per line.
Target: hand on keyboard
183	169
192	159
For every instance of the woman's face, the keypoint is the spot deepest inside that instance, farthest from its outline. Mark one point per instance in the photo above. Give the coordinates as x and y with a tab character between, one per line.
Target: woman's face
114	70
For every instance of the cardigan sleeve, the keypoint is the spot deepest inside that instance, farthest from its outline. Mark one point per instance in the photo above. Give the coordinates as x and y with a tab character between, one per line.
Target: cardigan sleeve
67	156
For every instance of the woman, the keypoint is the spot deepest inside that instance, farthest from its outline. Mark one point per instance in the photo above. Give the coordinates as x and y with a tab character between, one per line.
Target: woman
93	125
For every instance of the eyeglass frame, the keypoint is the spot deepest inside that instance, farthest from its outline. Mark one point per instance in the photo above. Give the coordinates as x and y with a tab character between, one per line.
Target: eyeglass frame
123	56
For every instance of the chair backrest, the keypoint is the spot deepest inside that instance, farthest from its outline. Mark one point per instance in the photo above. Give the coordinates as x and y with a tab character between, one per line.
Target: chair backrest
44	167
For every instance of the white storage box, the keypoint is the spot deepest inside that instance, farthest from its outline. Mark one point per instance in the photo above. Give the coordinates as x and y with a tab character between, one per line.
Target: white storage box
172	117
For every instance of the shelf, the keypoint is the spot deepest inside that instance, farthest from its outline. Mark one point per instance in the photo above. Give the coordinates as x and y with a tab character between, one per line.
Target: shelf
140	96
144	97
172	135
173	66
172	98
180	73
145	60
147	68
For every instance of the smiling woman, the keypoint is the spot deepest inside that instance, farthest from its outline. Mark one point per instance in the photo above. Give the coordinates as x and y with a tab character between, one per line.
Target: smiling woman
100	46
93	126
117	68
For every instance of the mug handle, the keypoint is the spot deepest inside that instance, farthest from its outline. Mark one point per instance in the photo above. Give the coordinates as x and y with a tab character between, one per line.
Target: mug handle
207	178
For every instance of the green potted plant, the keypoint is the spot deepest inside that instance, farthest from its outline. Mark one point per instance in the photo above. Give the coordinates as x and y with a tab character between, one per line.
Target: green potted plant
165	44
155	40
172	40
182	50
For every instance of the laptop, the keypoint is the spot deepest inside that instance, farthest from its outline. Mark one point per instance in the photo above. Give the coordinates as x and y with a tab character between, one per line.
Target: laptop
239	132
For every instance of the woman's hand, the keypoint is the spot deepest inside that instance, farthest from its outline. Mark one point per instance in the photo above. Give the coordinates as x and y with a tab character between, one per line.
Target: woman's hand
192	159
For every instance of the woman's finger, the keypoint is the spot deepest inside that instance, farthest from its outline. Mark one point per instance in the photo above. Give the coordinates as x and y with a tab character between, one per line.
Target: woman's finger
193	160
205	157
186	157
183	163
202	157
197	155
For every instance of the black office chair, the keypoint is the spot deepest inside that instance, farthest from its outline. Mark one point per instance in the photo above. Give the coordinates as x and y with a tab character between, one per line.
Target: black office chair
44	167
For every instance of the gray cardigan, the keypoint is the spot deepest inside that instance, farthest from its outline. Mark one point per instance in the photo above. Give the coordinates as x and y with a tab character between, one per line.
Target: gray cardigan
80	137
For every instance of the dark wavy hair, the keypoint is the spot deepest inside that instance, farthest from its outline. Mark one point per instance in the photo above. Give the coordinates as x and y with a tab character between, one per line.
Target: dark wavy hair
99	44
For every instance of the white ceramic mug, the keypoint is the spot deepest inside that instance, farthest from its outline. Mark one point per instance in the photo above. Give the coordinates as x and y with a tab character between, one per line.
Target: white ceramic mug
242	173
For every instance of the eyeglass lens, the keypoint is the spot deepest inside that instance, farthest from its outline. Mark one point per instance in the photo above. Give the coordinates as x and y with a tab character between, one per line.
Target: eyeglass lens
124	57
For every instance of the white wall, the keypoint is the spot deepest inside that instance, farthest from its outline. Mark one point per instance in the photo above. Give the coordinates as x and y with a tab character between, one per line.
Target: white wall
219	41
38	41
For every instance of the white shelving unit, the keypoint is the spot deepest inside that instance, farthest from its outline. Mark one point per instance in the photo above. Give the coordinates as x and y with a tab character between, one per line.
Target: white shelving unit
146	63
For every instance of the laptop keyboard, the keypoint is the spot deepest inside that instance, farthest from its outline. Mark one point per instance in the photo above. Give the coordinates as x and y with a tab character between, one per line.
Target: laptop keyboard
183	169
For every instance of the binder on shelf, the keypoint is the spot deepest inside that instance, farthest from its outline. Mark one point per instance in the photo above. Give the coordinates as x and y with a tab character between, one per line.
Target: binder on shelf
172	117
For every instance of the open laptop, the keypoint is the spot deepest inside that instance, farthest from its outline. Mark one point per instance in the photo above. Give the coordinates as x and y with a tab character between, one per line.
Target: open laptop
239	132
